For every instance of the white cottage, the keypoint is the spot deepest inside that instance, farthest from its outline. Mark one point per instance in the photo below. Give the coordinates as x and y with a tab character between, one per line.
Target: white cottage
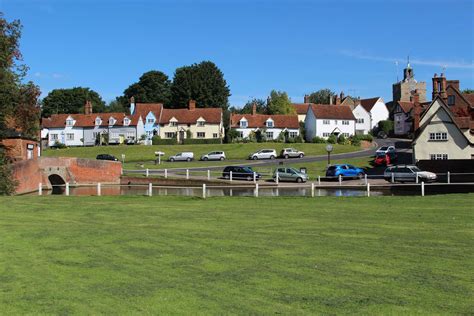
322	120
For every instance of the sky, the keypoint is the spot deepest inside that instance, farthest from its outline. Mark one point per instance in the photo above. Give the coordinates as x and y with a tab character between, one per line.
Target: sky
293	46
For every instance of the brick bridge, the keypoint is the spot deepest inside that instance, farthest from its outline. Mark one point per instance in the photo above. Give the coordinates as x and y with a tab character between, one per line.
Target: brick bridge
48	171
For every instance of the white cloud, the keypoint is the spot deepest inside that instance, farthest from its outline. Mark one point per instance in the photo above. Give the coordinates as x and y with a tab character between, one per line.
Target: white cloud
413	61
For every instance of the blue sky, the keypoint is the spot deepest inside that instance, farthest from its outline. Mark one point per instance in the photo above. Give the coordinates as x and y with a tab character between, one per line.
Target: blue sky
294	46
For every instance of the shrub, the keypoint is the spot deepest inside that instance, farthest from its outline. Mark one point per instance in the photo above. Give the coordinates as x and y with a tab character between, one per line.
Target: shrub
281	138
59	145
298	139
189	134
156	140
386	126
332	139
367	137
318	140
341	139
355	140
8	184
190	141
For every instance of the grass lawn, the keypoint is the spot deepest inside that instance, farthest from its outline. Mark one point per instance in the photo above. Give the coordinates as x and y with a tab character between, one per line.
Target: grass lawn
139	153
178	255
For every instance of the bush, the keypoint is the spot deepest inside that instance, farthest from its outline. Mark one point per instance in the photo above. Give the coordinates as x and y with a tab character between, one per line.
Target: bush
59	145
318	140
298	139
332	139
156	140
367	137
191	141
8	184
355	140
341	139
386	126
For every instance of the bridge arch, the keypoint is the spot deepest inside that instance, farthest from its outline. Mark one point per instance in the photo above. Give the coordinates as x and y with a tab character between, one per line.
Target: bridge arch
57	183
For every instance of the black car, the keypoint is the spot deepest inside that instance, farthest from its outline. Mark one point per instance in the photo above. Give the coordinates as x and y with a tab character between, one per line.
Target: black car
106	157
240	173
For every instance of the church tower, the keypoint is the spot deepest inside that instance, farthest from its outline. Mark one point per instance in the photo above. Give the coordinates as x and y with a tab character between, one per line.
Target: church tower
403	90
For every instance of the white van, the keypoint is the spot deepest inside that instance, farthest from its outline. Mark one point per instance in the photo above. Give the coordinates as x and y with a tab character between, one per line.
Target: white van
185	156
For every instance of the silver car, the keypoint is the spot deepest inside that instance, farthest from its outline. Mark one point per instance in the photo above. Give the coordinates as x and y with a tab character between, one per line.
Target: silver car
291	153
184	156
214	155
408	173
290	174
263	154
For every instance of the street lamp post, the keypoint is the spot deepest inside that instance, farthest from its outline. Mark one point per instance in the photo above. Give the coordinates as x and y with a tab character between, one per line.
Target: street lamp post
329	148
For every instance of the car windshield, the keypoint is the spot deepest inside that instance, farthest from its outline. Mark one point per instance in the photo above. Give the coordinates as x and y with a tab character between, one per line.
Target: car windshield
383	148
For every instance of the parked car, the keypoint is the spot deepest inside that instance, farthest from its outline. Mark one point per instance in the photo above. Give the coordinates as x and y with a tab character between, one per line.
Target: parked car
106	157
291	153
240	173
382	159
345	170
214	155
184	156
385	150
408	173
290	174
263	154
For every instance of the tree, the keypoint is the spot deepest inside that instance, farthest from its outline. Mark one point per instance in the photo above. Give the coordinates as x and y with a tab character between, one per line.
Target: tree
152	87
248	107
71	101
468	91
203	82
279	103
321	96
116	106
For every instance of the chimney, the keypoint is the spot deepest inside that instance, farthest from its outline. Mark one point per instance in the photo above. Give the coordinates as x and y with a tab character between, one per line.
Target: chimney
342	95
330	99
416	110
132	105
442	91
306	98
88	107
254	108
338	100
192	105
453	83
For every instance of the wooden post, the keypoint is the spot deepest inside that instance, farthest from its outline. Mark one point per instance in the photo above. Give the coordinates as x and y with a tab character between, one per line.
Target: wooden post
67	188
187	174
312	189
254	177
208	174
98	189
319	180
449	177
147	172
340	180
230	176
276	178
203	190
368	189
422	188
417	177
166	173
40	189
365	177
256	189
150	189
393	177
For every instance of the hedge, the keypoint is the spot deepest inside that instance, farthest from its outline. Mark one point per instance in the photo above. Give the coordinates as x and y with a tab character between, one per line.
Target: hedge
191	141
156	140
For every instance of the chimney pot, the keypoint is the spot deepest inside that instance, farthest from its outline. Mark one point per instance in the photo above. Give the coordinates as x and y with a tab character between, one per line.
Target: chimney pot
254	108
192	105
306	98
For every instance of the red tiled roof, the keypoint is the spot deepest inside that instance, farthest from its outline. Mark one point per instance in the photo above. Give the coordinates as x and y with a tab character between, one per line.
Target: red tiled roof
469	97
259	120
368	104
405	105
463	122
301	108
186	116
144	108
325	111
87	120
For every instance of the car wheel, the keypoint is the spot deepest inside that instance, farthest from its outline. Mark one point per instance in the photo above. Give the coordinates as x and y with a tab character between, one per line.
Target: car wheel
272	157
360	175
205	159
299	180
254	157
188	160
286	156
301	155
171	159
222	158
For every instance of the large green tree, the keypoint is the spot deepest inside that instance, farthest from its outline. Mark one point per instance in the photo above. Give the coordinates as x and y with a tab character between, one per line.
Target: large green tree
153	87
261	106
321	96
468	91
71	101
203	82
279	103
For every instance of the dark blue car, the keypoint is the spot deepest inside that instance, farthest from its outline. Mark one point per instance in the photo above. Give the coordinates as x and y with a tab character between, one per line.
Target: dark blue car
345	170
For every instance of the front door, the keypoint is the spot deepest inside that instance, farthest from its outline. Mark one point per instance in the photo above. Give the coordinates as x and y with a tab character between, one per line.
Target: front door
181	137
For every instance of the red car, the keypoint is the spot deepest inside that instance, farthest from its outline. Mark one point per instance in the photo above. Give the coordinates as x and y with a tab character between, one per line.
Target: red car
384	159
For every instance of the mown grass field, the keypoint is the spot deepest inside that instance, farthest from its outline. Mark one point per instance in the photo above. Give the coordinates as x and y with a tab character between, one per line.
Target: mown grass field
170	255
138	154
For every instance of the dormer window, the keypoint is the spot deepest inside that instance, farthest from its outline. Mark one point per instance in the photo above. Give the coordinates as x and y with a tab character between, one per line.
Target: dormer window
69	122
111	121
451	100
98	121
243	124
201	123
173	124
126	121
269	123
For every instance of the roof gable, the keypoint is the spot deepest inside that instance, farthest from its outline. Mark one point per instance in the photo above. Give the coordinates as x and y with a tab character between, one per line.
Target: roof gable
338	112
260	120
186	116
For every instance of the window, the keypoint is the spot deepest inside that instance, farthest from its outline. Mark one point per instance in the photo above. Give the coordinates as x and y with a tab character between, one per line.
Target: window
346	134
98	121
243	124
170	135
293	134
269	123
111	121
335	122
326	122
174	124
360	121
150	121
69	136
345	122
54	136
130	135
326	134
201	135
69	122
439	136
451	99
126	121
269	134
439	156
201	123
215	135
241	134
